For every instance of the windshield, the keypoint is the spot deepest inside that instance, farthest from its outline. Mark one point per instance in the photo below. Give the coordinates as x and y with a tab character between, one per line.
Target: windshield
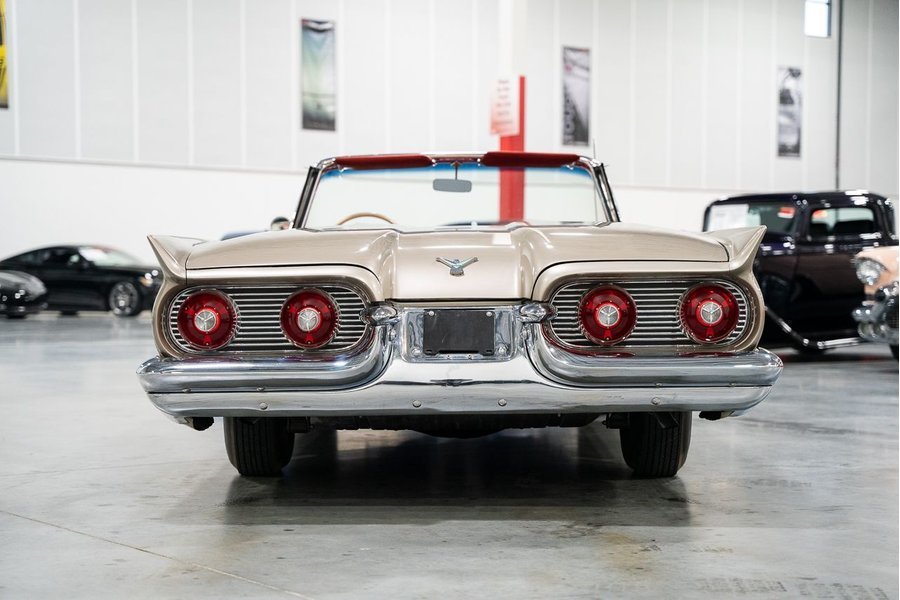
106	257
452	195
777	217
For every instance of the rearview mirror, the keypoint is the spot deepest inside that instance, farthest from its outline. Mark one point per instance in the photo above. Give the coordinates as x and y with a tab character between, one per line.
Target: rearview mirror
452	185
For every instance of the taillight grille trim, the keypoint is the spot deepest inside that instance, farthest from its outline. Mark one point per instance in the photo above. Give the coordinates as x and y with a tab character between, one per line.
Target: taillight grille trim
658	313
258	326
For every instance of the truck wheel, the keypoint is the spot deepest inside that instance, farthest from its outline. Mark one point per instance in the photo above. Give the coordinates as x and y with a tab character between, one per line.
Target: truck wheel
894	350
258	447
656	444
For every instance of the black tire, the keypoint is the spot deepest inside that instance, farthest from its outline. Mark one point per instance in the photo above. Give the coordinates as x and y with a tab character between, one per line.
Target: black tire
14	316
894	350
258	447
656	446
68	313
124	299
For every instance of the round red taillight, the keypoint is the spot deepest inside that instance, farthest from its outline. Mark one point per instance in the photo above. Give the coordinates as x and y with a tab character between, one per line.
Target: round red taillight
607	315
709	313
206	320
309	318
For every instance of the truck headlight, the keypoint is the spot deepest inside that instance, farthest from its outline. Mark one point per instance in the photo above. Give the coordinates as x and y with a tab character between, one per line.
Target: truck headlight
868	270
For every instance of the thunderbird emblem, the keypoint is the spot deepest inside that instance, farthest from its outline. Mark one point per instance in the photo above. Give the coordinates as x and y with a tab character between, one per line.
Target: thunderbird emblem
456	265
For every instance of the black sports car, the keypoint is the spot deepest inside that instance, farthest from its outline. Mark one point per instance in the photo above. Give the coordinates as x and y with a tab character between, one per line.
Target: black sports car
88	277
21	294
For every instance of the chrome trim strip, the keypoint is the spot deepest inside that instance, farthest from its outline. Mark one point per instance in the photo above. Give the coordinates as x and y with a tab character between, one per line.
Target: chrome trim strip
798	338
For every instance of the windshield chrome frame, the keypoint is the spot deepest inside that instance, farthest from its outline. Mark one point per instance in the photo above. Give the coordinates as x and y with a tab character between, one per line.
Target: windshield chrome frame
596	169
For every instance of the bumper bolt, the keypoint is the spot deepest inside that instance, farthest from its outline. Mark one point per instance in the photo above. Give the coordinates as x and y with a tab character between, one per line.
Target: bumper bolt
417	404
656	401
263	406
501	402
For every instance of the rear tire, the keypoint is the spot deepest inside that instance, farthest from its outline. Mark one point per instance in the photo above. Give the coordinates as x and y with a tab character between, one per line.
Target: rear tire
894	351
258	447
652	449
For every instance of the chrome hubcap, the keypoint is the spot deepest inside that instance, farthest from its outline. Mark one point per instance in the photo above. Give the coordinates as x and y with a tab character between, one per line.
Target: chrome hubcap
123	298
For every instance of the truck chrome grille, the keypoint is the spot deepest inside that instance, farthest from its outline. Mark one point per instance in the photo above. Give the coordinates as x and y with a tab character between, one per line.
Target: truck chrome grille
259	318
658	313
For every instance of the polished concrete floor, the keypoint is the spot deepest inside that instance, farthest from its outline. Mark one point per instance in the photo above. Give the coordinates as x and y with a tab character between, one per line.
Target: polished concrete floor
103	497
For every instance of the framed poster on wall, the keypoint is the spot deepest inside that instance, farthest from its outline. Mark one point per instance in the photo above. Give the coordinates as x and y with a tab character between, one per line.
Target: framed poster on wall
4	68
576	96
317	74
790	111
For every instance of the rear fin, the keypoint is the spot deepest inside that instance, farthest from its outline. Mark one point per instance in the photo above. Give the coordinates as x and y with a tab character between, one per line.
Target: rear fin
172	253
741	244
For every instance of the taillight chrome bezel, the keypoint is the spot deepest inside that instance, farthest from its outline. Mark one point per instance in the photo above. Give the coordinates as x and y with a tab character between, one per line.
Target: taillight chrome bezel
607	301
704	326
221	332
327	312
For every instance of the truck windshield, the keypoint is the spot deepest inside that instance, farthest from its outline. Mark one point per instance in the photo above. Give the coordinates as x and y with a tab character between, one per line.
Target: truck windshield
777	217
453	196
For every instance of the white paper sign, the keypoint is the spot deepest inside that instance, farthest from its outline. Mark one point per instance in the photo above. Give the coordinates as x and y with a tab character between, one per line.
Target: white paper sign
505	107
727	216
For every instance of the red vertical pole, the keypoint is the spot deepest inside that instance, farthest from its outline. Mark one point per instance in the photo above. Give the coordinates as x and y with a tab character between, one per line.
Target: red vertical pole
512	182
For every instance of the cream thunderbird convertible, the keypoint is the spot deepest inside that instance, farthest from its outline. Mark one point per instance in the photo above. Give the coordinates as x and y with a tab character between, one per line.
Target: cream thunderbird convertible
458	295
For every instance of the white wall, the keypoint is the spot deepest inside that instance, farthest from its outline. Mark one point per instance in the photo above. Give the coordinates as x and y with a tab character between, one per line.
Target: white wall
869	121
177	104
59	202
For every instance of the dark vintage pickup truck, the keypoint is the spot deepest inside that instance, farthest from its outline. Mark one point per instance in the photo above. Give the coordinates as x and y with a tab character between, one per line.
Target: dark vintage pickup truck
804	263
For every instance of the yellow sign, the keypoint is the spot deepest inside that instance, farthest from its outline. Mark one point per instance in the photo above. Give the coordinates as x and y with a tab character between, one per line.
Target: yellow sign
4	70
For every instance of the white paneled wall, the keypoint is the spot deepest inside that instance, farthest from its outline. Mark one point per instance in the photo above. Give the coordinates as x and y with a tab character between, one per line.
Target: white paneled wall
46	72
869	121
683	104
106	91
161	82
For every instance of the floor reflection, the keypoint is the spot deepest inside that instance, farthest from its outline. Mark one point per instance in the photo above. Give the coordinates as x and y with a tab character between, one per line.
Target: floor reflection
368	476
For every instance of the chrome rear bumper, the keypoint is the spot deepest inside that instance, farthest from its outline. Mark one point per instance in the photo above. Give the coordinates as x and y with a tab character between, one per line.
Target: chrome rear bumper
387	379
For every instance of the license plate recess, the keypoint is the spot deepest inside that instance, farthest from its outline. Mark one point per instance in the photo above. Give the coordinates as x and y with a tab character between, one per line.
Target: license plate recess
458	331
